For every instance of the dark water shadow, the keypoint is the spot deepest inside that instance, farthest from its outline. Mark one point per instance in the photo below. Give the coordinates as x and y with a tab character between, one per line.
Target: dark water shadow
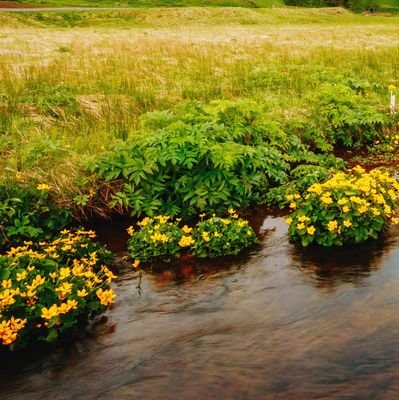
330	267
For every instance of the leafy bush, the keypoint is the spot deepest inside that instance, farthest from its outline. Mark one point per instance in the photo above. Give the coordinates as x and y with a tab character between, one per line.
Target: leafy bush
343	116
215	237
348	208
209	159
157	239
46	289
27	213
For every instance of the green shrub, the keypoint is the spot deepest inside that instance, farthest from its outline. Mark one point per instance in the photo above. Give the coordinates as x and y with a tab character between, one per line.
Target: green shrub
342	116
215	237
47	288
211	158
348	208
28	213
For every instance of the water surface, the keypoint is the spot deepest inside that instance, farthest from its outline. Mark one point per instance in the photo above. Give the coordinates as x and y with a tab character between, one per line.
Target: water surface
276	323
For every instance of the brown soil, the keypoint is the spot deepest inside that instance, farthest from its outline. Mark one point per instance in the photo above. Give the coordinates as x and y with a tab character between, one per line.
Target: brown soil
14	4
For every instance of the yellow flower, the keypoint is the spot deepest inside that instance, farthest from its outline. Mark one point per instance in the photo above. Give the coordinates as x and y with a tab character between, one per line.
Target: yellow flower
232	213
345	209
391	87
387	209
186	229
82	293
6	283
288	220
64	288
110	276
105	296
359	169
53	275
186	241
375	211
332	225
311	230
300	226
163	219
293	205
136	263
65	272
159	237
362	209
21	276
130	230
145	222
316	188
347	223
205	236
43	186
326	199
48	313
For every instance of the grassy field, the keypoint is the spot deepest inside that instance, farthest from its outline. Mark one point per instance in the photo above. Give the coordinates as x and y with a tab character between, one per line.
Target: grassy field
66	94
161	3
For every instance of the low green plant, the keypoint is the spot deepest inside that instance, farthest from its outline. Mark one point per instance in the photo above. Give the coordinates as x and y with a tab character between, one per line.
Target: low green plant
156	239
28	213
216	236
346	209
344	116
211	158
159	238
48	287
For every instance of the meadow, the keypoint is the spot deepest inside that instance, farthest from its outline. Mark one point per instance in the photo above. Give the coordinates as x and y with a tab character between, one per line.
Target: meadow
74	84
180	117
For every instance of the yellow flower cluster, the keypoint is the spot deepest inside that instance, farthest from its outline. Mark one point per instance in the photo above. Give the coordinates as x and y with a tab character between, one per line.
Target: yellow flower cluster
106	297
32	281
9	329
345	198
160	237
186	241
55	310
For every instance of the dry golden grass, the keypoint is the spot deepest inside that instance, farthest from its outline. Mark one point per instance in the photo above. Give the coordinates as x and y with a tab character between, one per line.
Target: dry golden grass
68	93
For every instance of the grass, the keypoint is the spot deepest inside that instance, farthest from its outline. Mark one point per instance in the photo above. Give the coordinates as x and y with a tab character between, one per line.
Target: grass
161	3
66	94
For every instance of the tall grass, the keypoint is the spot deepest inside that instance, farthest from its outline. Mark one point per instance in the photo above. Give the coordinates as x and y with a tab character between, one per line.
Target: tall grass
67	94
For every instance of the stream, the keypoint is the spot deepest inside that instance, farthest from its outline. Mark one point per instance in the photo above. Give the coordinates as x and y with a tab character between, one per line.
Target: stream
277	322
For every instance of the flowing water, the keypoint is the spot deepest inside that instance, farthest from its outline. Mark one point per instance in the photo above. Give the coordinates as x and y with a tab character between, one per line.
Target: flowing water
276	323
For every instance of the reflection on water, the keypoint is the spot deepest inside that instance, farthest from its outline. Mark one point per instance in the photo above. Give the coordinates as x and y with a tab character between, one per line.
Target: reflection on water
276	323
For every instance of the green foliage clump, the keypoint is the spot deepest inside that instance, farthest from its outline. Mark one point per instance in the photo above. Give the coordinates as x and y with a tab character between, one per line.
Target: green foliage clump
157	239
28	213
343	116
47	288
317	170
203	160
346	209
215	237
